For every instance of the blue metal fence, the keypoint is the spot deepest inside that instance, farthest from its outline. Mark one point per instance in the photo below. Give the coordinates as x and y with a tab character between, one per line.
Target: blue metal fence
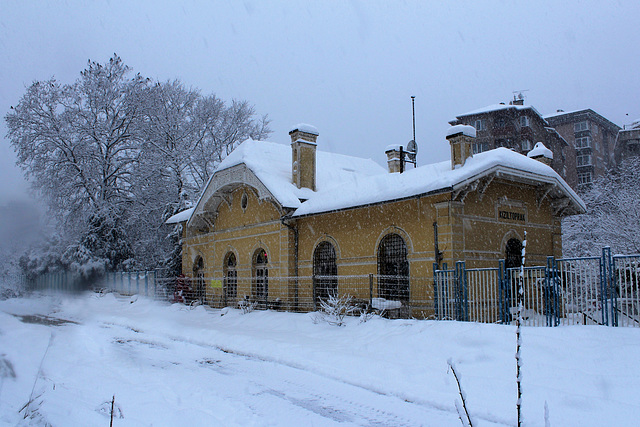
601	290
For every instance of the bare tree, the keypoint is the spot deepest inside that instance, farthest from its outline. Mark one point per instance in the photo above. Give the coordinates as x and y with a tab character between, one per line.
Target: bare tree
78	145
613	214
113	155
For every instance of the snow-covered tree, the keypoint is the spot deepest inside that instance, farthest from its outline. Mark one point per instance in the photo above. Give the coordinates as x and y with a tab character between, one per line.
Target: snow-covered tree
113	155
613	214
78	144
186	135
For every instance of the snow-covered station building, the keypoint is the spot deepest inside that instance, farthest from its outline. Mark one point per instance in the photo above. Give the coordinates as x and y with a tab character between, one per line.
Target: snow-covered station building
285	225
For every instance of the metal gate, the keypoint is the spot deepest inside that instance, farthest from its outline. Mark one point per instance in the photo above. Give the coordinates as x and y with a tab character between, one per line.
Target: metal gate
601	290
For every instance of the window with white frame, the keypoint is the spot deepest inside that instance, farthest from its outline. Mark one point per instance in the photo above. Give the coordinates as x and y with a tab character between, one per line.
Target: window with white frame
581	126
526	145
584	142
480	124
584	178
524	121
479	147
583	160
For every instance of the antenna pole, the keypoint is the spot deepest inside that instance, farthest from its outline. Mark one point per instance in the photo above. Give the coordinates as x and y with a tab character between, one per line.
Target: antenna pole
413	107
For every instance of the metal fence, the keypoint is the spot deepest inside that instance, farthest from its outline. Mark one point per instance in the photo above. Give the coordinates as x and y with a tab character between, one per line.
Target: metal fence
394	296
601	290
591	290
126	283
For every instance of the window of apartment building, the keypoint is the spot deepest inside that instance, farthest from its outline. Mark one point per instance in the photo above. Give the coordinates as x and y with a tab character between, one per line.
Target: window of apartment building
526	145
581	126
584	178
524	121
501	122
479	147
583	160
480	124
503	142
584	142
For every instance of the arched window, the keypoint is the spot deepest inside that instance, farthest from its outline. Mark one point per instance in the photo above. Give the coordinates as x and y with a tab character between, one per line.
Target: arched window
198	275
260	275
393	268
513	253
325	271
230	278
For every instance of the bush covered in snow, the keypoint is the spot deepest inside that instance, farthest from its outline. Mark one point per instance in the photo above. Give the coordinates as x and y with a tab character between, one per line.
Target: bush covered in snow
334	309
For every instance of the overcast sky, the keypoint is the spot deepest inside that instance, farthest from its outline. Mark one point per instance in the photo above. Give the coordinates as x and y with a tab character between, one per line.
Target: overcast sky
346	67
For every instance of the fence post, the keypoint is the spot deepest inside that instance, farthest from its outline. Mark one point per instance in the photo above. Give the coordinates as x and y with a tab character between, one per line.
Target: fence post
607	289
504	294
370	290
465	289
603	292
445	291
610	285
462	299
551	293
435	290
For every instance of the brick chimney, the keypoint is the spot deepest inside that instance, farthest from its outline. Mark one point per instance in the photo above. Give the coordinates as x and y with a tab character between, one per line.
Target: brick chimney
393	158
461	139
541	154
303	155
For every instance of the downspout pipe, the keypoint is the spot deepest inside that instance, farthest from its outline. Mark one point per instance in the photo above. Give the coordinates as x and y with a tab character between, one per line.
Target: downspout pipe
284	220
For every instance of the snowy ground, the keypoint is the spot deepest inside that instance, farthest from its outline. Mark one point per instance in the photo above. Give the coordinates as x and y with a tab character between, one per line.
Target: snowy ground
168	365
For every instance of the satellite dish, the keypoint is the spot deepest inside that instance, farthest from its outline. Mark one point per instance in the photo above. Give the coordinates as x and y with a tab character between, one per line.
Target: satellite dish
412	150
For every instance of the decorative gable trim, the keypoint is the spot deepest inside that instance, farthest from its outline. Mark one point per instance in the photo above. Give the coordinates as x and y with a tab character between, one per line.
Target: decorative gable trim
220	188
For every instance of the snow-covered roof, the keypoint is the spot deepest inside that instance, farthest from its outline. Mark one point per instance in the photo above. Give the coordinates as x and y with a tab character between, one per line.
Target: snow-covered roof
271	163
561	113
344	182
303	127
540	150
181	216
463	129
497	107
433	178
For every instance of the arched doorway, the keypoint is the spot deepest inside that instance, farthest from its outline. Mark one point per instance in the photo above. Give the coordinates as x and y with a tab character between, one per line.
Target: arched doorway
260	276
393	268
325	272
513	253
230	278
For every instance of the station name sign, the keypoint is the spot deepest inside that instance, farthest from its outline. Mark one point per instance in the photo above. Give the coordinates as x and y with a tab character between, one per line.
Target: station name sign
513	216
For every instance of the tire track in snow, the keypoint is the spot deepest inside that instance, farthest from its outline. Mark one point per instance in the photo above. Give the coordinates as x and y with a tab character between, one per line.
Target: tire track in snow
431	405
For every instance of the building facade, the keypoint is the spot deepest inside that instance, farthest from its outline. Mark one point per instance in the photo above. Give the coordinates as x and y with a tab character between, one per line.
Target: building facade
286	226
515	126
591	140
628	142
